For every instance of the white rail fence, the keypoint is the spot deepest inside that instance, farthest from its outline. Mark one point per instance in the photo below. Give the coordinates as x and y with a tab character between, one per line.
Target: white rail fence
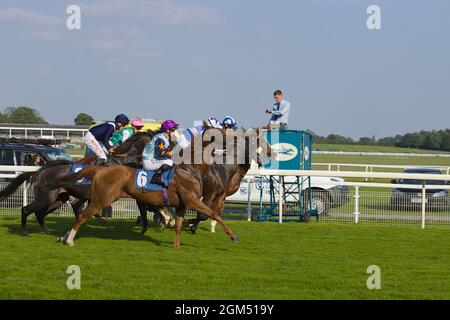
343	202
371	167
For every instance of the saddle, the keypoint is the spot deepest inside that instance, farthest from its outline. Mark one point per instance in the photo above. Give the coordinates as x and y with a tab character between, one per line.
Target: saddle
143	181
74	169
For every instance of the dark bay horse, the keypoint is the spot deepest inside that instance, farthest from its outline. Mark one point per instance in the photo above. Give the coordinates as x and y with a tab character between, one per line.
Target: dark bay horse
185	192
52	189
222	181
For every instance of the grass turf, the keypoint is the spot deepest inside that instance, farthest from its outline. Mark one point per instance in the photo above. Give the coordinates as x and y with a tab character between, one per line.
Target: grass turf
288	261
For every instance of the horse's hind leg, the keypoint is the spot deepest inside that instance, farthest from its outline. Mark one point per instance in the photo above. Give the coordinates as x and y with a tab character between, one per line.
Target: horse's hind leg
35	206
89	212
143	216
24	216
77	206
180	212
40	215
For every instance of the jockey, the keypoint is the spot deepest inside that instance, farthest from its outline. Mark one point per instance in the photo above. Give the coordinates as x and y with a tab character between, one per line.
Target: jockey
229	122
184	140
97	138
123	135
157	153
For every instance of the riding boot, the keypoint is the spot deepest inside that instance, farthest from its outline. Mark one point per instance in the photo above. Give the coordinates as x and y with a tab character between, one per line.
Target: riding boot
156	179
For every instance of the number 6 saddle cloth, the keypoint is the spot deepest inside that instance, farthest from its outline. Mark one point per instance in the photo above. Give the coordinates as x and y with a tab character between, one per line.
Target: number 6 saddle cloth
143	181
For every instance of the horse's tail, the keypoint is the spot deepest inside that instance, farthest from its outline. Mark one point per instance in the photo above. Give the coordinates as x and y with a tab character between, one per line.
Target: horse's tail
15	184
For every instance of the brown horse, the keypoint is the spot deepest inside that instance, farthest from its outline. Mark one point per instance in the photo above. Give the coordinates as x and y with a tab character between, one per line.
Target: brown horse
224	180
184	192
52	190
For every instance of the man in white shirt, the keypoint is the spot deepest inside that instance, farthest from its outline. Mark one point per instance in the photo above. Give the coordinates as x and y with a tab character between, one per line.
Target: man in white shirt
280	110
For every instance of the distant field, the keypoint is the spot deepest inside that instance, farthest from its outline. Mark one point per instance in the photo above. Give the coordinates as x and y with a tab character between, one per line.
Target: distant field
75	152
361	148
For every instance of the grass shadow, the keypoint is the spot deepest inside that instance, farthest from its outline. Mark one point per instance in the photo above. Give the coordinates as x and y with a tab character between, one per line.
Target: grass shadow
114	230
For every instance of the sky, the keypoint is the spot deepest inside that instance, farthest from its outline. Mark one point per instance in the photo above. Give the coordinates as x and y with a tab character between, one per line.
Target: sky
188	60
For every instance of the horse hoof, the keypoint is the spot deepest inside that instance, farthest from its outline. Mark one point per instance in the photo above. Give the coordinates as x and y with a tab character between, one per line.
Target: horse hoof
45	229
143	230
193	230
67	242
138	221
235	238
25	234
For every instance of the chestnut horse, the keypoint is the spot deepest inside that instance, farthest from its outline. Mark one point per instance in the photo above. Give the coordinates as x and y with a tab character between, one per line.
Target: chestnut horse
185	191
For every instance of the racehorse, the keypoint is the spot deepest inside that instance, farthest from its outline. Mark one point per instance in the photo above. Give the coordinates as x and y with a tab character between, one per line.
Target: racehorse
52	190
224	180
184	192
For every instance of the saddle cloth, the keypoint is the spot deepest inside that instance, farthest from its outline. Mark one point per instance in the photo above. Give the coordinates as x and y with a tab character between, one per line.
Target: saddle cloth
75	168
143	178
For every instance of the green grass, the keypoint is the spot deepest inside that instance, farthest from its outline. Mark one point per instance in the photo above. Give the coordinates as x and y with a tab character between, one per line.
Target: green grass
75	152
365	148
288	261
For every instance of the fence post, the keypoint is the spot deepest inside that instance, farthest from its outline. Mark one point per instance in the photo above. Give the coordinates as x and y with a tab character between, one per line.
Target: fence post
356	196
25	194
249	202
424	200
280	200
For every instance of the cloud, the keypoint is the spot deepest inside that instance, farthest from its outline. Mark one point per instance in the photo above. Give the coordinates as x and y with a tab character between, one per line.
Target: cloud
159	11
23	17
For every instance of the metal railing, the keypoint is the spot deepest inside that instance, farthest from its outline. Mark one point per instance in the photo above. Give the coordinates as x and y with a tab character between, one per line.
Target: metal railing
340	202
370	167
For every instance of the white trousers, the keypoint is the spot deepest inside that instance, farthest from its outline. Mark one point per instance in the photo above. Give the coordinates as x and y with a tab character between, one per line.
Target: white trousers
156	164
94	146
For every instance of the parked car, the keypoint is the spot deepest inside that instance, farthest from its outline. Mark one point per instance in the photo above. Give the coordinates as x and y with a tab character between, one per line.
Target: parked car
404	198
326	192
14	154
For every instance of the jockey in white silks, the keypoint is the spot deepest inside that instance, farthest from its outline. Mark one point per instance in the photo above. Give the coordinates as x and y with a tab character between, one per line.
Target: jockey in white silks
185	138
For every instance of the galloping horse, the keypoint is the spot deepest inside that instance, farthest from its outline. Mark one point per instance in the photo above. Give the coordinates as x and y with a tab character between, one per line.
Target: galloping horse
184	192
224	180
52	190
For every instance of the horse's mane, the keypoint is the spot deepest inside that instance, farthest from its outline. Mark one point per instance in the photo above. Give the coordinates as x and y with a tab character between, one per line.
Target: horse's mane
126	146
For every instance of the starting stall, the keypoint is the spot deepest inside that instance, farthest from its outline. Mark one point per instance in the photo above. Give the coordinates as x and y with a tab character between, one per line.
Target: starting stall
293	151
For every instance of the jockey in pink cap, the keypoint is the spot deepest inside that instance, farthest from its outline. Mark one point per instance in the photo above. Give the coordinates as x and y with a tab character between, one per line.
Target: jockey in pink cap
137	125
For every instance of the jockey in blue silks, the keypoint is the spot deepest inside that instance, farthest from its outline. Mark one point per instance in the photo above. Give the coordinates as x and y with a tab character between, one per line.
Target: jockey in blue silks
229	123
157	153
185	138
97	138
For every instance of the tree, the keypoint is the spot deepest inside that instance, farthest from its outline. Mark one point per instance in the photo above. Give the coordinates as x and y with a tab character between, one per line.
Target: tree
433	141
23	115
3	118
83	119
